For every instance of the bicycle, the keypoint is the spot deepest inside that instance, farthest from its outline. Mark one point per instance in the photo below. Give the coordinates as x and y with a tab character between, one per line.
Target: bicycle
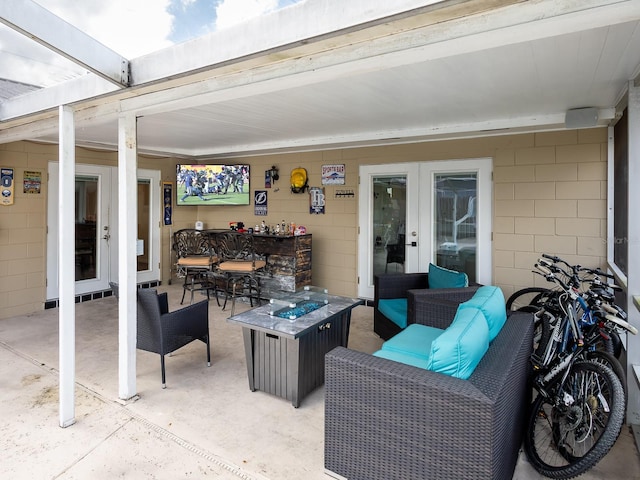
579	410
530	299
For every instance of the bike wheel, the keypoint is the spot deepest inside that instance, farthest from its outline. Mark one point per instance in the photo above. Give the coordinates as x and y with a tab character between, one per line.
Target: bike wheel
573	429
527	299
613	363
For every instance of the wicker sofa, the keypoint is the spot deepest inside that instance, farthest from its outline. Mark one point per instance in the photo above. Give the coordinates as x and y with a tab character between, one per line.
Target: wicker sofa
385	419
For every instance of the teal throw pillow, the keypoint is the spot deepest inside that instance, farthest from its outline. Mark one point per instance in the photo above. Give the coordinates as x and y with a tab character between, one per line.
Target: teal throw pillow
490	300
444	278
459	349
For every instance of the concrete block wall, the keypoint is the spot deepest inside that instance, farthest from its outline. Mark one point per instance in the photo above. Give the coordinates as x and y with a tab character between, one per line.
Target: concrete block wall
550	197
23	233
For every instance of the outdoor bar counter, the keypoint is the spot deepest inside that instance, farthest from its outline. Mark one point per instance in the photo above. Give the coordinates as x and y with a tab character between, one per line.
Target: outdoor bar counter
288	261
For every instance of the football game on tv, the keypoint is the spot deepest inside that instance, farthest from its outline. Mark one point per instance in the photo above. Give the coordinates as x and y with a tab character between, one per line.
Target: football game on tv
212	185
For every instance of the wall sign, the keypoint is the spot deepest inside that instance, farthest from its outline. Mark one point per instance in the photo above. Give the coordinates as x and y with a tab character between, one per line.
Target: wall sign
6	179
316	200
167	194
32	182
260	203
344	193
333	174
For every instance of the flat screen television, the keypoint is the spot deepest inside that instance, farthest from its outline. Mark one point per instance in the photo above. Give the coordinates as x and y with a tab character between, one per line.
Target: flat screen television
212	184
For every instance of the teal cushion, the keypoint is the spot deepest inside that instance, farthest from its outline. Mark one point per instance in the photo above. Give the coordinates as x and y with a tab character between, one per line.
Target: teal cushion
414	340
402	358
395	309
443	278
460	348
490	300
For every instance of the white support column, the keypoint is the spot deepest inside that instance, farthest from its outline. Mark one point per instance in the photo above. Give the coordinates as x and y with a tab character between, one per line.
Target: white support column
633	252
127	224
66	261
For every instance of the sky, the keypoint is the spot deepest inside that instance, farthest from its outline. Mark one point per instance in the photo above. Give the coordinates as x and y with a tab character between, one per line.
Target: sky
130	27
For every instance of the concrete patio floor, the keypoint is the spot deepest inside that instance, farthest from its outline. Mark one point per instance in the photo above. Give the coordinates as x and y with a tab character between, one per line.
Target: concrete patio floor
205	424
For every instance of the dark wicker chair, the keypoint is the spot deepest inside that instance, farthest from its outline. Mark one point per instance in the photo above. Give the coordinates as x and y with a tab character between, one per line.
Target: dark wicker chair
393	285
385	419
396	253
436	307
162	332
398	285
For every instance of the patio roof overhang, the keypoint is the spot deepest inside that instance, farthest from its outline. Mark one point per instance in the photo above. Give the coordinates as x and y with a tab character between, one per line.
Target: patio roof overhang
312	77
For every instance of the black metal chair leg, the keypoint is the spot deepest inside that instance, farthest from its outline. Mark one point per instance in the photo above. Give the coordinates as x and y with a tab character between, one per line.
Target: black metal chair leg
164	381
208	352
184	288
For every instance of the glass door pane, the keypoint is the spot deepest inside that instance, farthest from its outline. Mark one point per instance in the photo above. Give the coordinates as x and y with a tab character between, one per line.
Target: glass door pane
389	217
86	233
144	234
454	223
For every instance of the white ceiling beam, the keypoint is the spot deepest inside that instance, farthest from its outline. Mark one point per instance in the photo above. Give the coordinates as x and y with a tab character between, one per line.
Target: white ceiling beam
493	28
67	93
39	24
305	23
525	22
312	23
501	126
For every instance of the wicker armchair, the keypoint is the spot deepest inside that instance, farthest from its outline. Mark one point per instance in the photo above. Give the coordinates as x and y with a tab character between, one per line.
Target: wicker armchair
162	332
385	419
393	285
398	285
436	307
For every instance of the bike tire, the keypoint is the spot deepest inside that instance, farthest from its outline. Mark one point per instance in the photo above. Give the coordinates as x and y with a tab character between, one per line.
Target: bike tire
616	343
541	335
613	363
599	407
525	297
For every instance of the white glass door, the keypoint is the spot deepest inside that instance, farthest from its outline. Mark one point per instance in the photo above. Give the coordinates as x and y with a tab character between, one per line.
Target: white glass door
388	206
93	212
148	240
97	228
425	212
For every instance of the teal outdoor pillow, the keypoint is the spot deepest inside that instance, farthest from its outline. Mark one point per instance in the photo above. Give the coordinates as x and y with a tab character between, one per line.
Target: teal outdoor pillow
459	349
395	309
444	278
490	300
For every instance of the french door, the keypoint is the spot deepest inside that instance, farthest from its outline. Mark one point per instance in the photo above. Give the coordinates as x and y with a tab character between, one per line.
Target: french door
413	214
96	228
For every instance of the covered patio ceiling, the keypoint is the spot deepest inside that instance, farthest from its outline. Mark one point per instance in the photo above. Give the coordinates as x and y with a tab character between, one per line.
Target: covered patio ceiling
324	75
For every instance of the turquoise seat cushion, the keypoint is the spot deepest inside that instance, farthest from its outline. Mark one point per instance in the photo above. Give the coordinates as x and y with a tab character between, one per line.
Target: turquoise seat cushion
402	358
444	278
459	349
395	309
414	340
490	300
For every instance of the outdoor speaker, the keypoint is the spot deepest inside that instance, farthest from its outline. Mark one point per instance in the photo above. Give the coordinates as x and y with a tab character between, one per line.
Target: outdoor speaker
581	117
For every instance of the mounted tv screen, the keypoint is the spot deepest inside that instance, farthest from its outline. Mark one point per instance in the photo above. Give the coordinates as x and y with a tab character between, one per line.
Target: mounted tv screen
212	185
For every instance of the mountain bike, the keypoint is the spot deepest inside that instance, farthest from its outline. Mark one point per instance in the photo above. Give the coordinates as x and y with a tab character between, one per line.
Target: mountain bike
579	411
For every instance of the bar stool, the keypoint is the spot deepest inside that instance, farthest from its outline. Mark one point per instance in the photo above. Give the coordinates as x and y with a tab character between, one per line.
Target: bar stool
196	260
240	267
